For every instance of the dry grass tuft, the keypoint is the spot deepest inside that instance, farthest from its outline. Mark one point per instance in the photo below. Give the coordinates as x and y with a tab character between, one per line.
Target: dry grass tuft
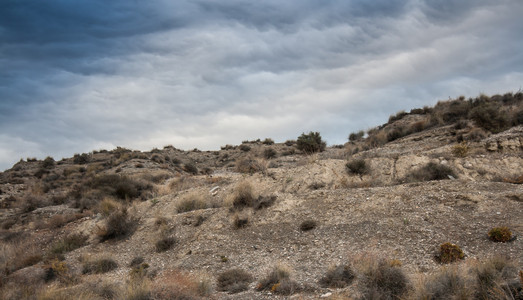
338	277
234	281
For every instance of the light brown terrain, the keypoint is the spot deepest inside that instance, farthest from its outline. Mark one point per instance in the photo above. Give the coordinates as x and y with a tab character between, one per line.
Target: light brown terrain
380	214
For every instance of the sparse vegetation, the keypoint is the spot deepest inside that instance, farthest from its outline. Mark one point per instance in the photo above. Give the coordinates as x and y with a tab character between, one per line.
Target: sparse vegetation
164	244
67	244
461	149
308	225
357	166
338	277
269	153
500	234
250	165
118	224
382	279
278	281
234	281
449	253
98	265
190	202
310	143
268	141
431	171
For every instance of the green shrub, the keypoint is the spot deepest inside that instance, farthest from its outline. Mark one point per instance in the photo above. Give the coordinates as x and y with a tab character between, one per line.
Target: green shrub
310	143
81	159
234	281
500	234
245	148
356	136
431	171
338	277
357	166
449	253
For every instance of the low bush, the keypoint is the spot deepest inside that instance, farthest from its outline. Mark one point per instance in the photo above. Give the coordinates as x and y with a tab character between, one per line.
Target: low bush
250	165
243	196
431	171
245	148
382	279
68	243
357	166
461	149
269	153
234	281
447	283
164	244
308	225
191	202
278	281
190	168
449	253
338	277
310	143
263	202
48	163
476	135
268	141
489	117
500	234
121	187
492	279
240	221
356	136
99	265
81	159
118	224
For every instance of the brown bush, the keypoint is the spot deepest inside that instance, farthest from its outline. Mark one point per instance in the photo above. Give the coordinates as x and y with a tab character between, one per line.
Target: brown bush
500	234
99	265
449	253
250	165
338	277
382	279
234	281
431	171
278	281
118	224
165	244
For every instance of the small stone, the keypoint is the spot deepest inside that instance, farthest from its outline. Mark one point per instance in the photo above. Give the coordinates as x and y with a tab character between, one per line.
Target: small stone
326	295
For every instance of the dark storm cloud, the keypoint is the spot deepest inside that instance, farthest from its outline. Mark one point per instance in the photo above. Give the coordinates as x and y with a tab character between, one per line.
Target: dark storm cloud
83	75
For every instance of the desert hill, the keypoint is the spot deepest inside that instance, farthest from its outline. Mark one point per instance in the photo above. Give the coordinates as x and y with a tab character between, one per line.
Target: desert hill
384	216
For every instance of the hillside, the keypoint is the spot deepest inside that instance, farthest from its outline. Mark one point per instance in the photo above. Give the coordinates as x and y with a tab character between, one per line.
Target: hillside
169	224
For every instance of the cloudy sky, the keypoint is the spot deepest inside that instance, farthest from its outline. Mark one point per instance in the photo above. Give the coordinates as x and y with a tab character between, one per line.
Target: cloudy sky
77	76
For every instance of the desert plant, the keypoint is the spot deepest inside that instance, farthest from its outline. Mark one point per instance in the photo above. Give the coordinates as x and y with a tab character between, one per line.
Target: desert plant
250	165
121	187
338	277
431	171
190	168
268	141
357	166
489	117
117	224
245	148
243	196
310	143
164	244
48	163
308	225
461	149
447	283
356	136
99	265
491	278
278	281
234	281
382	279
476	135
449	253
500	234
263	202
81	159
269	153
190	202
68	243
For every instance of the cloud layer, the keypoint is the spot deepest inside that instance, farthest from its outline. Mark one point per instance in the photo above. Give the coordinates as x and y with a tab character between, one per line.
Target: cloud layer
84	75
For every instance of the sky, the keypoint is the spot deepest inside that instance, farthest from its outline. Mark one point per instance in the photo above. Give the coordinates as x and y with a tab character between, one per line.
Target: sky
77	76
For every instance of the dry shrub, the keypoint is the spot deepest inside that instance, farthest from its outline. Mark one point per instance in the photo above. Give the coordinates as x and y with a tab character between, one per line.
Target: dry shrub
57	221
476	135
243	195
376	139
461	149
357	166
18	255
308	225
108	205
263	202
175	284
121	187
431	171
492	279
250	165
278	281
98	265
118	224
338	277
67	244
31	202
240	221
190	168
269	153
165	244
192	201
447	283
234	281
500	234
57	293
137	290
381	278
449	253
182	183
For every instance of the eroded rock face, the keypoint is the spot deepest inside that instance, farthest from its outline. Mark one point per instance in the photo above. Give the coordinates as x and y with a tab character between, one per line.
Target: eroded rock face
508	141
